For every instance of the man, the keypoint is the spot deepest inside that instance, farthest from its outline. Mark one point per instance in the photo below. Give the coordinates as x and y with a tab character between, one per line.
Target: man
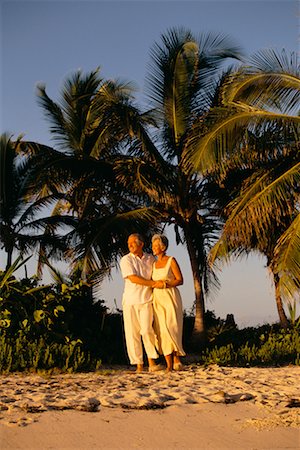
136	268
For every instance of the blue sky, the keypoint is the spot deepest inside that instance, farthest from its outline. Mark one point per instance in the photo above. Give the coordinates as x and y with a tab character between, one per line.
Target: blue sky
45	41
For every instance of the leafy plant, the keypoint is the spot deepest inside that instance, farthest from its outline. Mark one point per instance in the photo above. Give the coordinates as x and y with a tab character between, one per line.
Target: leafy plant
272	348
55	312
23	354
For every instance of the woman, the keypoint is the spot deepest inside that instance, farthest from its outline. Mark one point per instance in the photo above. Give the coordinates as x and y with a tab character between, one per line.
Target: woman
167	304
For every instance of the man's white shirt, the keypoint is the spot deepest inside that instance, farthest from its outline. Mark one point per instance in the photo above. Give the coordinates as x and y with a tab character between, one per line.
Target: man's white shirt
135	294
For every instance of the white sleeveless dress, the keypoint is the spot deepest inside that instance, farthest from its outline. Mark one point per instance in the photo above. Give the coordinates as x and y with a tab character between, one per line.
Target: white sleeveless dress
168	316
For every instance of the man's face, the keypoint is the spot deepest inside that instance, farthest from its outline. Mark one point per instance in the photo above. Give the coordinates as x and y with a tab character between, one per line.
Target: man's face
135	246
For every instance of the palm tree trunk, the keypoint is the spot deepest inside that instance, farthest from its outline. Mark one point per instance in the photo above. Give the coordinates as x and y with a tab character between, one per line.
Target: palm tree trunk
199	332
9	257
282	316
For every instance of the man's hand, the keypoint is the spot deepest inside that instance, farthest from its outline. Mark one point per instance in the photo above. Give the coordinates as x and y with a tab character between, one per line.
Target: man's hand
159	284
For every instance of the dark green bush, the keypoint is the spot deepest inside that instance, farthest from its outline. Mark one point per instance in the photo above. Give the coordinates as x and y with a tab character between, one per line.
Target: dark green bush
40	325
54	312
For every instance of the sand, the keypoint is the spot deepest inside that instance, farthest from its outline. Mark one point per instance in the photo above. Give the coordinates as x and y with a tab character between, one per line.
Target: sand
201	408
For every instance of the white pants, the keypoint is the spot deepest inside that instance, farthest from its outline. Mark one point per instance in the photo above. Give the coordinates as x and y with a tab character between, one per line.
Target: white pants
138	326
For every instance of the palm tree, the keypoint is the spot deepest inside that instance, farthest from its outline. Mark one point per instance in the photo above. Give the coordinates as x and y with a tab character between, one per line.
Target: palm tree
240	237
91	125
183	84
11	195
19	222
260	136
19	216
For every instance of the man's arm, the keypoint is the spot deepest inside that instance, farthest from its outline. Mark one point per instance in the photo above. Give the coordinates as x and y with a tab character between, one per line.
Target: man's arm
142	281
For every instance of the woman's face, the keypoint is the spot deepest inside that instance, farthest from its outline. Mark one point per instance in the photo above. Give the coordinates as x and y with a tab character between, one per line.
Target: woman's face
156	247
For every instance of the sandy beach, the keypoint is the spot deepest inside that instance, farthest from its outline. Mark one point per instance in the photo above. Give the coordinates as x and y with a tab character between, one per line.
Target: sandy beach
201	408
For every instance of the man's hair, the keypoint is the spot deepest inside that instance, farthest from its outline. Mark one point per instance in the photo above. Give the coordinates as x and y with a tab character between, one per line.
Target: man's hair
163	240
138	237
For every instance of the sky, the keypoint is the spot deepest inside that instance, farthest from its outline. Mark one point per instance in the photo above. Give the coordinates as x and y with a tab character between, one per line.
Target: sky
46	41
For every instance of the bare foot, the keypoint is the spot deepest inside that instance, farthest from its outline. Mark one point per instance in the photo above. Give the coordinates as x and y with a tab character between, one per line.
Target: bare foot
155	367
177	359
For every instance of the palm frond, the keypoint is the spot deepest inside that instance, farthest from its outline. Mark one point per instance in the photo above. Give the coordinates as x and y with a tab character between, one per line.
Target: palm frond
12	181
270	60
19	262
54	114
206	150
98	243
69	118
271	80
280	91
265	206
286	262
137	175
269	192
57	276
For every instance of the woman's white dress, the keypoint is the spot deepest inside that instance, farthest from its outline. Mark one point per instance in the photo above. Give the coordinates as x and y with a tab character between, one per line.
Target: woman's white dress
168	316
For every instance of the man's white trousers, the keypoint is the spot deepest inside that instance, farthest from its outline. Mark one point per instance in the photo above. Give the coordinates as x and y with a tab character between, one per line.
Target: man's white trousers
138	326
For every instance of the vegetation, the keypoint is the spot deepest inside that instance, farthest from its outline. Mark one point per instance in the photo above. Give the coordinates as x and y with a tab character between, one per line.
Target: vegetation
264	213
22	354
70	333
90	210
183	85
260	346
216	155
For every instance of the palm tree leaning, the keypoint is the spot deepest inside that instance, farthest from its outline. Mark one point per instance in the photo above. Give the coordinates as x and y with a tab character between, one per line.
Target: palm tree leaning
260	137
183	84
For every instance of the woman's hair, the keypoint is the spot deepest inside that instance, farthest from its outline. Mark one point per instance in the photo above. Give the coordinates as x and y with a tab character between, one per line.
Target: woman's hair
163	240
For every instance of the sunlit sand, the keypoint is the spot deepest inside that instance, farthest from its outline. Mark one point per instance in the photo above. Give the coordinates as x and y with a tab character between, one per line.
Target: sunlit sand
245	403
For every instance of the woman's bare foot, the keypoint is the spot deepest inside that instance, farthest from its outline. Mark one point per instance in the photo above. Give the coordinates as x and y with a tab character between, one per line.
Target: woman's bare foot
177	359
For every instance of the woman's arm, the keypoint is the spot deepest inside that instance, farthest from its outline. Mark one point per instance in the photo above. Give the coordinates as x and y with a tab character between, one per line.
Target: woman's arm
178	278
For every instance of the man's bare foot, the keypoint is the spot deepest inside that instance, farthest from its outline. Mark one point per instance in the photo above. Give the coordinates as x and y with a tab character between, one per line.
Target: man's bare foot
139	368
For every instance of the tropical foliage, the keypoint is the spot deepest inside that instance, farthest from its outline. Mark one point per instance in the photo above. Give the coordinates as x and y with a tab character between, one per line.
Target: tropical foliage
217	145
260	141
91	125
21	228
57	312
183	85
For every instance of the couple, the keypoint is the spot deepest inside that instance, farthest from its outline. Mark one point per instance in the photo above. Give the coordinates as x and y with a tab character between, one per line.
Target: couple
152	306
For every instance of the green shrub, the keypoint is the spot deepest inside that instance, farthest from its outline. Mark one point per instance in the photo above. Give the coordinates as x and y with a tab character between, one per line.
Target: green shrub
46	326
61	326
53	312
272	348
20	354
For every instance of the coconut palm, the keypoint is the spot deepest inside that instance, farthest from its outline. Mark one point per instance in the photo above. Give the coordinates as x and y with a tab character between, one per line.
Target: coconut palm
90	125
19	222
260	134
242	236
183	84
11	196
